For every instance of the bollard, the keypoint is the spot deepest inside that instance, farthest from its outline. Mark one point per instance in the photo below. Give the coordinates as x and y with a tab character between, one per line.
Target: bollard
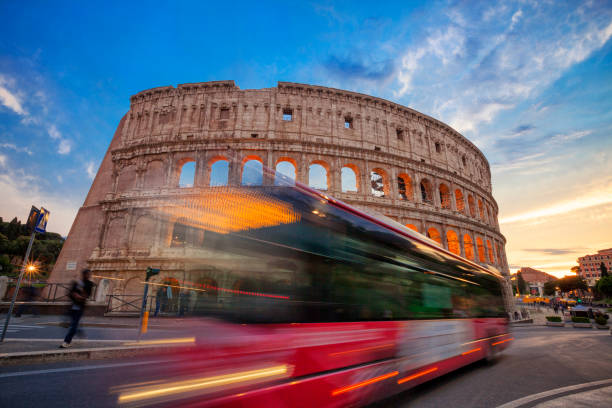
145	322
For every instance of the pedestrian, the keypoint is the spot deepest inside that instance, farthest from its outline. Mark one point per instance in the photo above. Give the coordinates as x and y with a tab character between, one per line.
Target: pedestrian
30	292
79	293
160	300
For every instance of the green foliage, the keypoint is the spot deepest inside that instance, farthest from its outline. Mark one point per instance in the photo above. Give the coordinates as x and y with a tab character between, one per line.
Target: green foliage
553	318
581	319
522	285
604	270
601	320
604	285
14	240
569	283
549	288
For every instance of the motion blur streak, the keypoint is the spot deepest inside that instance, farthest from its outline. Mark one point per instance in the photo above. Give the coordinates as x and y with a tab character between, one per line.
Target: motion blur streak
182	340
202	383
486	338
471	351
503	341
340	353
364	383
417	375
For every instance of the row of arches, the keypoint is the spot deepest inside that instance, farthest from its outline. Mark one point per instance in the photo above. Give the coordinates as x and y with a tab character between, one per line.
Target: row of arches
252	174
482	250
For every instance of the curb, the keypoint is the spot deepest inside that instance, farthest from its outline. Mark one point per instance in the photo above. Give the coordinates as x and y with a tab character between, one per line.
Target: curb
96	353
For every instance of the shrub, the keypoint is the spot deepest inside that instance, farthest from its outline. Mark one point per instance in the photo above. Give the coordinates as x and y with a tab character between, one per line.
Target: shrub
601	320
581	319
553	318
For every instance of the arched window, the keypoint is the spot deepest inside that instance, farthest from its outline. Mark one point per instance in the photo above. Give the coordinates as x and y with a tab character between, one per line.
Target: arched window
472	206
379	183
426	192
348	176
468	246
318	176
481	249
187	176
459	200
490	251
219	172
179	235
489	216
499	255
252	172
404	187
412	227
445	198
285	173
453	242
183	234
481	209
434	234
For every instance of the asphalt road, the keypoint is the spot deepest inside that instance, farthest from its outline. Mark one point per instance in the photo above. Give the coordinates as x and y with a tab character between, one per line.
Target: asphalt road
541	359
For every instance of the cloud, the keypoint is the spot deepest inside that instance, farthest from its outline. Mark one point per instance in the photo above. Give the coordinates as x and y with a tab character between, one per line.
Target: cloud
90	168
10	99
2	160
594	199
555	251
350	68
64	145
482	61
16	148
522	129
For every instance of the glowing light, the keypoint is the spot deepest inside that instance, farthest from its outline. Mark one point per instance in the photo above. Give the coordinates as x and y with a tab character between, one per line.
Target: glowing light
230	209
204	285
363	383
471	351
362	349
417	375
31	268
183	340
202	383
107	277
502	341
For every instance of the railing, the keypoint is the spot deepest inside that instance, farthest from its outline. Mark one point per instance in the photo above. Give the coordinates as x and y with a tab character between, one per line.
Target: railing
47	292
124	303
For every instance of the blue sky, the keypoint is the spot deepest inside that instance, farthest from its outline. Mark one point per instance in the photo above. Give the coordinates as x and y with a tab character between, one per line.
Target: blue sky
529	82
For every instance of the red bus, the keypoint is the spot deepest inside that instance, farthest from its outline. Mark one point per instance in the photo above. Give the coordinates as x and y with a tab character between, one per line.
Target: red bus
309	302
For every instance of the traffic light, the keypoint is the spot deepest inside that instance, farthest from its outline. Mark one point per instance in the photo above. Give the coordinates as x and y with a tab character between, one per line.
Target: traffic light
151	272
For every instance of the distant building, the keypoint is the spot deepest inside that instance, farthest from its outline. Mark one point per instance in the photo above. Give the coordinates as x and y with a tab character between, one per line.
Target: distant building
535	280
589	265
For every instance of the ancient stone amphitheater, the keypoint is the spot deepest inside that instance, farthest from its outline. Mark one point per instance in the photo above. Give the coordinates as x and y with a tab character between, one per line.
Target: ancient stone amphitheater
366	151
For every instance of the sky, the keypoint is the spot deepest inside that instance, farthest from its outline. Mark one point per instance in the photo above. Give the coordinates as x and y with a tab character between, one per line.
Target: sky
529	82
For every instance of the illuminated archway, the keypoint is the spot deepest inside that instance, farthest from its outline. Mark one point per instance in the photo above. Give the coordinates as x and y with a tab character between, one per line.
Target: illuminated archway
379	182
490	250
453	242
434	234
472	206
412	227
481	249
459	200
481	209
445	198
468	246
404	187
426	191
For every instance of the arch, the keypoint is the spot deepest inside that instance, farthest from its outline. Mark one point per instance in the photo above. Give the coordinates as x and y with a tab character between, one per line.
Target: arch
252	171
459	200
468	247
404	187
154	176
445	197
127	179
472	206
490	251
379	182
434	234
453	242
114	232
219	171
187	173
318	175
144	233
349	176
499	255
480	248
490	218
183	234
426	191
132	291
481	209
285	172
412	227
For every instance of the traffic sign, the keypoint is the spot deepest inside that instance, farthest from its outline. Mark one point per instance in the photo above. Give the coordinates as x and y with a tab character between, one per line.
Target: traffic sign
41	224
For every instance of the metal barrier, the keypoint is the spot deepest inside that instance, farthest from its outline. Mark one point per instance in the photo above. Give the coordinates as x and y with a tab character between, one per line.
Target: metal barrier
49	292
124	303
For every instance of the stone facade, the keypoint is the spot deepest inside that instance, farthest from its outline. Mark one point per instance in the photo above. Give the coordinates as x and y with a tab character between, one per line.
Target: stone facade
590	265
434	180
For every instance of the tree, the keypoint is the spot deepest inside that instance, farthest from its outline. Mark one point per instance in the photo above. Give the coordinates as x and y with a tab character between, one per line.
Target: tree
569	283
603	269
604	285
522	285
550	287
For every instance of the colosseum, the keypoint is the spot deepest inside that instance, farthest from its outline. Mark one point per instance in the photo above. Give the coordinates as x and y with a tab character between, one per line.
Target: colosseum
368	152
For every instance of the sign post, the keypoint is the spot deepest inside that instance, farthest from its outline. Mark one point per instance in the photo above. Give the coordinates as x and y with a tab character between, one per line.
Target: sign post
144	315
41	216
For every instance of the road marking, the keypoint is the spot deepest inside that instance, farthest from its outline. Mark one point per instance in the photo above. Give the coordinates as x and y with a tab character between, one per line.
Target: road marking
92	367
533	397
59	341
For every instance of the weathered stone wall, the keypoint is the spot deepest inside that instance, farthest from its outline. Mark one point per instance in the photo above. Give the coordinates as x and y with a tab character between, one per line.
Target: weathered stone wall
446	181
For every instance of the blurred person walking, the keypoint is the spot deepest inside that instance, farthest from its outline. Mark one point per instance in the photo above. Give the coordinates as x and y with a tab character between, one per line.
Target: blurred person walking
79	292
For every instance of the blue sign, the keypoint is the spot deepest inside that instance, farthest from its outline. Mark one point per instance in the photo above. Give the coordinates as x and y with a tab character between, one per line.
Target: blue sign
41	224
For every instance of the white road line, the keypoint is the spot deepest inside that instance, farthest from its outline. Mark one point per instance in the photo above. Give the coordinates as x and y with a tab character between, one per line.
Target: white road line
533	397
22	326
68	369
